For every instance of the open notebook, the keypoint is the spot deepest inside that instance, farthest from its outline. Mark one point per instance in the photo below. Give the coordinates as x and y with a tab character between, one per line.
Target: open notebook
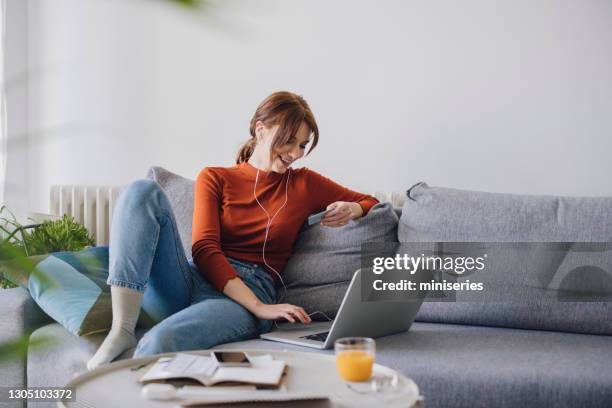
264	370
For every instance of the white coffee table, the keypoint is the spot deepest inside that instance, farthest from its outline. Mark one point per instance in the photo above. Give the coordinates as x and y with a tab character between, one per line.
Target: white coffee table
115	385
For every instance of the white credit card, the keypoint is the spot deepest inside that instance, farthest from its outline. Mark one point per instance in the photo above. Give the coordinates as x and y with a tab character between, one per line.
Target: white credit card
316	218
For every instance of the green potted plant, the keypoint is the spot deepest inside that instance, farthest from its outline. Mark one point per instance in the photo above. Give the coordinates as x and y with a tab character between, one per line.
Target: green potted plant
20	241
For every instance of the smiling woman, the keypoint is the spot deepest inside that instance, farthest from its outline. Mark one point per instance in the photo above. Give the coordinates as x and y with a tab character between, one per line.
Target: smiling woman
281	122
260	189
246	220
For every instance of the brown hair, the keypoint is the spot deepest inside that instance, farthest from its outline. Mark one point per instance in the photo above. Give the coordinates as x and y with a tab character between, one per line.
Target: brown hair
288	111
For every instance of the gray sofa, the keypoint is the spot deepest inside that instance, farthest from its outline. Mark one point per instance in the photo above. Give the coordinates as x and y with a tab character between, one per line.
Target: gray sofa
535	353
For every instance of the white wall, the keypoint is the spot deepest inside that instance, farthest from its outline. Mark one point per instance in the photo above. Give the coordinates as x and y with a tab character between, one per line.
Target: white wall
508	96
16	80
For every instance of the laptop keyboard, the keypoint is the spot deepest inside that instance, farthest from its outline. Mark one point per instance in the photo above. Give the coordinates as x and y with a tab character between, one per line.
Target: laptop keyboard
317	336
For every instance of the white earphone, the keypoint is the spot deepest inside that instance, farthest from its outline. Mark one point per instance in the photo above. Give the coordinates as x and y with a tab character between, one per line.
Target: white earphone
270	219
268	225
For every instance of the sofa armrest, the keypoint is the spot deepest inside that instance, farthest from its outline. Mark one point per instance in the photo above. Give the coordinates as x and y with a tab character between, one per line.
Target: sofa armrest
20	316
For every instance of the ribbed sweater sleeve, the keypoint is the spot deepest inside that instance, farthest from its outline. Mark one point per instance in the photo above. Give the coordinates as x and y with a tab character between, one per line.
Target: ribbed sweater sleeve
325	191
205	235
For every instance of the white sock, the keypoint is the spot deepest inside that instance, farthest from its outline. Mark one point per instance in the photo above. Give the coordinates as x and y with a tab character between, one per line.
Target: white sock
126	307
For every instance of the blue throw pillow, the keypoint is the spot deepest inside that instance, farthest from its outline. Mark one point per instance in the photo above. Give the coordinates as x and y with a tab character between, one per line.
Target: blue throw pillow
69	286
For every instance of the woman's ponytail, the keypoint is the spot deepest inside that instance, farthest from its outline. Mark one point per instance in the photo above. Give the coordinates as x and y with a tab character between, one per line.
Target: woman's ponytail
245	152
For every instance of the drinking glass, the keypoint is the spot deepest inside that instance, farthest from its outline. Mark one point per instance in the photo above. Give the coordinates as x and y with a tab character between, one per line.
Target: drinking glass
355	358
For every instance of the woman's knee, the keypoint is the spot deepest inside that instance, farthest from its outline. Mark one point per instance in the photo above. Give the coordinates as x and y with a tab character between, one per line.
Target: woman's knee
142	193
143	189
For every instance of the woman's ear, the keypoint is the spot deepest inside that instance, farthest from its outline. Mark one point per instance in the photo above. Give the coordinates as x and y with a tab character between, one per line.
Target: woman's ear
259	127
258	131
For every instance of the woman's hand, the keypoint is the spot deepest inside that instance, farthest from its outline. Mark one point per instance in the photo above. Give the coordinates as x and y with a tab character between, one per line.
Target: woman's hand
237	290
281	311
341	213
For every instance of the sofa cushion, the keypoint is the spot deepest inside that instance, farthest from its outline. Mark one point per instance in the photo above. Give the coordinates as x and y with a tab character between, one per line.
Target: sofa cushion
446	214
473	366
325	259
453	365
180	194
432	214
325	255
71	288
322	301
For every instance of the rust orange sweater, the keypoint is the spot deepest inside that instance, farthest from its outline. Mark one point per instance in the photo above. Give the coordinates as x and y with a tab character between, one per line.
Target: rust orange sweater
228	222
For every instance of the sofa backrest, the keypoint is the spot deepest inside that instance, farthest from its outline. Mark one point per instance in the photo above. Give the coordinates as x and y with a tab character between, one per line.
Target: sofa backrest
180	194
433	214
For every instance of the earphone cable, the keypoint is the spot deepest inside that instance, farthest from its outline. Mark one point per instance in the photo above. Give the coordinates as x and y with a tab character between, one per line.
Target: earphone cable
269	224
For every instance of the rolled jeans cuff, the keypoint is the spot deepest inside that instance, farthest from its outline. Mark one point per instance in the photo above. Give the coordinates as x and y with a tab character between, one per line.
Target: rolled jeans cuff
134	286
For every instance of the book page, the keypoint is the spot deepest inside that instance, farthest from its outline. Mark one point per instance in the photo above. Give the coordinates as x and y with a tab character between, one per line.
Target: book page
200	368
261	372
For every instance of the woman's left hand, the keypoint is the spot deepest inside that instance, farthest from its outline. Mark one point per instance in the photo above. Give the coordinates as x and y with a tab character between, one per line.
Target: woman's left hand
340	213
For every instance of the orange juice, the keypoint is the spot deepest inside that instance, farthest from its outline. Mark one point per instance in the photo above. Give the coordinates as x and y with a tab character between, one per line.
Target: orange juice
354	365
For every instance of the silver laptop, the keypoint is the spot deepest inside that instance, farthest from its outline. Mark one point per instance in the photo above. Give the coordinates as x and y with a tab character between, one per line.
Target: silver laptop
354	318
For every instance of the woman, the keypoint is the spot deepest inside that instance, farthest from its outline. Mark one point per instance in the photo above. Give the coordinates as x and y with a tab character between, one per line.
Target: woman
246	219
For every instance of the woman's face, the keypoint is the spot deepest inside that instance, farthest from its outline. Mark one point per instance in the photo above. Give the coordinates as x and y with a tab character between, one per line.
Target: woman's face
283	156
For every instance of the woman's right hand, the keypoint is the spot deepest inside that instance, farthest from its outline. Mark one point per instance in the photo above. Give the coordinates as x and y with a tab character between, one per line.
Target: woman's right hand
282	311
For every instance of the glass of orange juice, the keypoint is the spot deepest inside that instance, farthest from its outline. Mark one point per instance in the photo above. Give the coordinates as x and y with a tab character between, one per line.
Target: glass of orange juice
355	358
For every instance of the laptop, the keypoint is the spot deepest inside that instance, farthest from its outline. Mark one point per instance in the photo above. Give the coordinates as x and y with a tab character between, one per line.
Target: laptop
355	318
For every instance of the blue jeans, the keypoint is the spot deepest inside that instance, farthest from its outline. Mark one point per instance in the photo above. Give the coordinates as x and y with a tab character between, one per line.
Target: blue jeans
146	254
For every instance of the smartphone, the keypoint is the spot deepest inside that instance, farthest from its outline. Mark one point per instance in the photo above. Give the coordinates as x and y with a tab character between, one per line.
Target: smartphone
316	218
231	359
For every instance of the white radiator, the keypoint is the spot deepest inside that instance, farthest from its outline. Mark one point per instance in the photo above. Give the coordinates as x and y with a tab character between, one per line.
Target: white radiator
91	206
396	199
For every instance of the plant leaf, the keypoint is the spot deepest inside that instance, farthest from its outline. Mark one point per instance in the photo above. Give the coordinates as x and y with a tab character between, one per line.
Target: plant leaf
18	348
